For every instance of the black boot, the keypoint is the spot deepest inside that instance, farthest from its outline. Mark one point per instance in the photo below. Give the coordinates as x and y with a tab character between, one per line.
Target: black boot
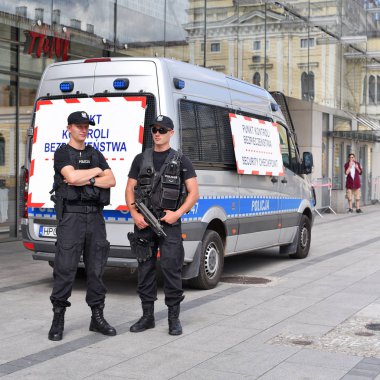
175	327
58	324
98	323
147	319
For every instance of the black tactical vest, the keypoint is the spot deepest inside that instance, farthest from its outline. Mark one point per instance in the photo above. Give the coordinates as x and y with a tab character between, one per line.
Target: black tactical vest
161	190
86	159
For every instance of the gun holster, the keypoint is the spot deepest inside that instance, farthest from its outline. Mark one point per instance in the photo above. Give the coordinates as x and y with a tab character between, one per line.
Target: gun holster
58	206
140	247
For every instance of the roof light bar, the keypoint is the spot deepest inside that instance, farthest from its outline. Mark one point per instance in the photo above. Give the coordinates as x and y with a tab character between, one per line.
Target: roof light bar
66	86
179	84
121	83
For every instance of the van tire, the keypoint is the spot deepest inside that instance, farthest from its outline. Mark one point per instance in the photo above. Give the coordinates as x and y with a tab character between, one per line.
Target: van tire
211	262
304	239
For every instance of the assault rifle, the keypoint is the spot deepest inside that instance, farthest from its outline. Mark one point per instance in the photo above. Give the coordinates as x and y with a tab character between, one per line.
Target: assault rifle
149	217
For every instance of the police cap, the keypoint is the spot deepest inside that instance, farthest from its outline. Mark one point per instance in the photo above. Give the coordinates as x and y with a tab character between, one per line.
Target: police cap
79	117
163	121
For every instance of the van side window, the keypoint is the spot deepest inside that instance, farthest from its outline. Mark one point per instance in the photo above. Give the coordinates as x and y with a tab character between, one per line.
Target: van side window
288	149
284	145
293	156
206	134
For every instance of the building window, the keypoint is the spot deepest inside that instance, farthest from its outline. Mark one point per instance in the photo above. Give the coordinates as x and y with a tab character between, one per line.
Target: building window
341	124
365	89
215	47
256	79
256	45
337	183
307	86
202	46
256	58
307	43
371	89
2	150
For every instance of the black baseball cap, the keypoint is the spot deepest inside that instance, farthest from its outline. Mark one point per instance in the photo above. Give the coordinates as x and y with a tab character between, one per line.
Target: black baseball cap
163	121
79	117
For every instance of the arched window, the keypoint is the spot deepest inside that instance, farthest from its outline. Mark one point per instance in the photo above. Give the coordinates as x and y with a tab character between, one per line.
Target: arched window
307	86
2	150
256	79
371	89
304	85
266	81
311	85
365	90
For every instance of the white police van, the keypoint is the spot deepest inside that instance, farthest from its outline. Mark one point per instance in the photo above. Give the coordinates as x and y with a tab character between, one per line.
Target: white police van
224	125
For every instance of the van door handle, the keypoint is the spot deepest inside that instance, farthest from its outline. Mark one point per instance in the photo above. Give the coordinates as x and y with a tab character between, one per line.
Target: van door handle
274	180
284	180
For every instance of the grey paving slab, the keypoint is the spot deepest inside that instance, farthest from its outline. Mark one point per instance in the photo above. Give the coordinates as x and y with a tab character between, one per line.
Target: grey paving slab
346	298
214	338
290	302
128	346
252	363
291	371
285	327
356	374
69	366
365	287
374	368
325	314
160	363
316	291
209	374
259	318
325	359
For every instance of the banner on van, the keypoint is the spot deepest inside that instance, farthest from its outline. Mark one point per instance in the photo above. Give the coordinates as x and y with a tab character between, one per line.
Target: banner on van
257	146
117	134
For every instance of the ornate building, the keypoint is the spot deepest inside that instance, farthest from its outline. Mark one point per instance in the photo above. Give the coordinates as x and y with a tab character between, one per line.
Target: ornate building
323	55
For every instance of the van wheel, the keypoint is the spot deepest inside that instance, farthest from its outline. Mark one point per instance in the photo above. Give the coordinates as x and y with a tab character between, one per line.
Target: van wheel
304	239
211	262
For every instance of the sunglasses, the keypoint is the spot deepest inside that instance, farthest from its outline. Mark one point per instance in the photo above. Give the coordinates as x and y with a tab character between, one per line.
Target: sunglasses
161	130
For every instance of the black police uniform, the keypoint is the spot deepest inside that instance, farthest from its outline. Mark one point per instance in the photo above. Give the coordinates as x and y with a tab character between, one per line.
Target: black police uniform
81	229
171	246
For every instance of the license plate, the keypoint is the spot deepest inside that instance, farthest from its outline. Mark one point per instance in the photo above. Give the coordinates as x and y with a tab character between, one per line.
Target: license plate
48	231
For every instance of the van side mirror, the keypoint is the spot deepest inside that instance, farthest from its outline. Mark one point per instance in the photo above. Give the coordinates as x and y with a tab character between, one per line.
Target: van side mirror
307	163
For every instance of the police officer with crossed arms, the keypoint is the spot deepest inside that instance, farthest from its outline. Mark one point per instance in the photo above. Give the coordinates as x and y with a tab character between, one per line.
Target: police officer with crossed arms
159	175
82	183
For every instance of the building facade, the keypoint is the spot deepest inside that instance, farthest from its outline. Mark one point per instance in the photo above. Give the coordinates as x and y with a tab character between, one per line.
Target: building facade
323	55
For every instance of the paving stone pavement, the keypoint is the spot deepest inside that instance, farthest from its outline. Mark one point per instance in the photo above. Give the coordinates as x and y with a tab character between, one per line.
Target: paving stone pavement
317	318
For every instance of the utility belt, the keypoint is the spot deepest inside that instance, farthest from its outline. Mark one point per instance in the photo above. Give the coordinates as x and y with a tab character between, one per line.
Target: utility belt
82	209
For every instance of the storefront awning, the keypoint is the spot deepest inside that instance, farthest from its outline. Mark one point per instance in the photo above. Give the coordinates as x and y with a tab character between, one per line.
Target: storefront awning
357	135
368	129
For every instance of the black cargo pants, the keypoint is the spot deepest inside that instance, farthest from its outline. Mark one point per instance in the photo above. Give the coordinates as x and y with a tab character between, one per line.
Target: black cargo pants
171	260
77	234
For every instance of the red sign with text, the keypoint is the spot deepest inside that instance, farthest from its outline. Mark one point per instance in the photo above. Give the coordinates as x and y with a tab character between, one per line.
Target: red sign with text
38	43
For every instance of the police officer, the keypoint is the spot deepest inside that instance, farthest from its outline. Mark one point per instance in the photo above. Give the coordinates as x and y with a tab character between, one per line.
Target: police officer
82	183
152	175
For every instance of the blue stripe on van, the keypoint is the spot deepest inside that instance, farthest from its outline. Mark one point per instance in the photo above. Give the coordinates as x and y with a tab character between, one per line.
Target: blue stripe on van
233	207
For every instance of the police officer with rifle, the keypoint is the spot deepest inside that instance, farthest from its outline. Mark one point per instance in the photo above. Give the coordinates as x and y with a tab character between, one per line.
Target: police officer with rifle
82	183
161	187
